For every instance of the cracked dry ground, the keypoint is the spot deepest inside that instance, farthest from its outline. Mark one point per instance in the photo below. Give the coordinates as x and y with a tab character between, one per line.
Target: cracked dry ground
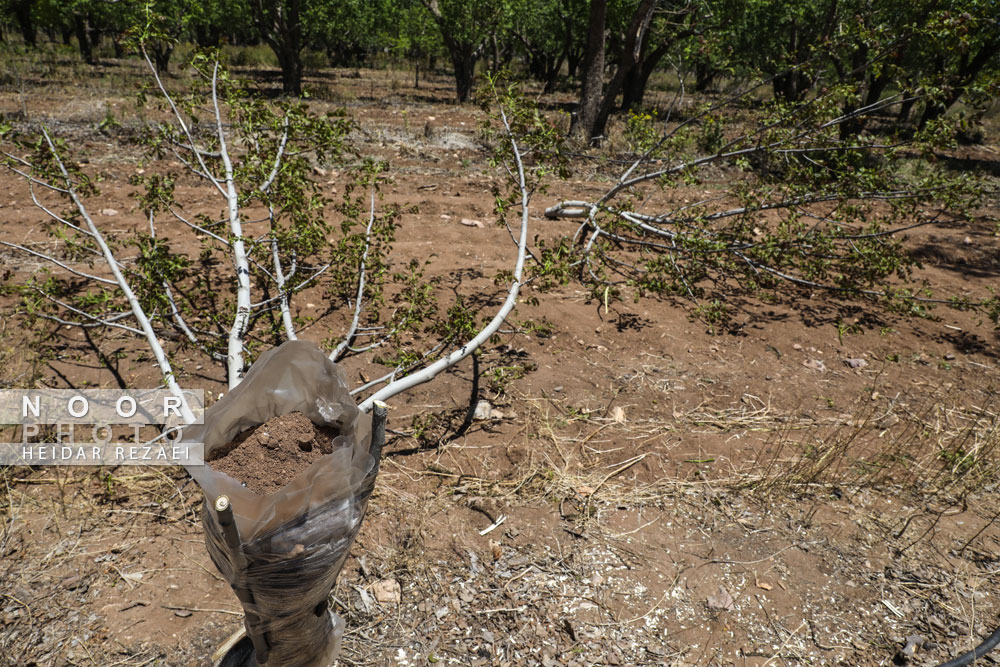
668	496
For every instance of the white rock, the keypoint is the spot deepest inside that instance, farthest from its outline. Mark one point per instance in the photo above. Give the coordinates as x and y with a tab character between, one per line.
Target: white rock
483	411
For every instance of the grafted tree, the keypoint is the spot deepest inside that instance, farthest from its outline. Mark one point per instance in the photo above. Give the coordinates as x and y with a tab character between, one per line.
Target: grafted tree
274	239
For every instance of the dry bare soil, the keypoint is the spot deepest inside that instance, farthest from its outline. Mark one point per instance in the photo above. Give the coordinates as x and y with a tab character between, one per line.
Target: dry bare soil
645	491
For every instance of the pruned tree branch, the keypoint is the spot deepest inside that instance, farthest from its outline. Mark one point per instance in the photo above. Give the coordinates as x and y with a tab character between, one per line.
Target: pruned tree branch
430	372
359	299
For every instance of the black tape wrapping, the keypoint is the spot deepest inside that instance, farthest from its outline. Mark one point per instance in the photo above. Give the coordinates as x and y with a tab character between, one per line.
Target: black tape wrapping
293	543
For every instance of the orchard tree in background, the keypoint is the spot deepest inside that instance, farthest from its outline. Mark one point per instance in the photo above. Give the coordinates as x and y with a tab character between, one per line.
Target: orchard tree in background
280	24
22	11
939	52
466	28
591	89
936	52
669	34
633	37
417	37
549	34
352	32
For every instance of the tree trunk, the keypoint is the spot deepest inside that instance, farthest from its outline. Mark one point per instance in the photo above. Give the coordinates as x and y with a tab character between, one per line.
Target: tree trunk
552	75
22	11
967	72
279	22
593	72
94	34
536	66
463	60
161	53
704	75
631	52
290	61
207	35
83	39
904	110
461	52
791	85
852	127
572	63
638	81
494	53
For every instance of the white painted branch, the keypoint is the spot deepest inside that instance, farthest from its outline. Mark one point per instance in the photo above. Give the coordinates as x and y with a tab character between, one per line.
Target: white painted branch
372	346
28	177
234	356
279	278
180	120
175	312
568	209
391	375
344	344
266	185
412	380
140	315
197	228
87	325
95	321
279	275
52	214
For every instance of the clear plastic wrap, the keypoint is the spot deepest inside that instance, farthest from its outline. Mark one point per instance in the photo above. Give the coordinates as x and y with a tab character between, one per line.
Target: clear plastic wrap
291	544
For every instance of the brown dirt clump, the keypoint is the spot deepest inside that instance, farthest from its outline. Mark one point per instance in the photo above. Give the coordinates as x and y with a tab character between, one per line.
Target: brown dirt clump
270	455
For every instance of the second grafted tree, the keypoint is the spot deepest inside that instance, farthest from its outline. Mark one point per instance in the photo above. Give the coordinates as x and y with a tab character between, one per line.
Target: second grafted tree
771	202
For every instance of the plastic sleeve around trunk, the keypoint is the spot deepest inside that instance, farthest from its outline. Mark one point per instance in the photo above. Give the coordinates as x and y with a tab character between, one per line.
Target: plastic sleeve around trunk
293	543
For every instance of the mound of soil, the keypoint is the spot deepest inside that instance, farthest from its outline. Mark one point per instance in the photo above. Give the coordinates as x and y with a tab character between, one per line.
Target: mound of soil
270	455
